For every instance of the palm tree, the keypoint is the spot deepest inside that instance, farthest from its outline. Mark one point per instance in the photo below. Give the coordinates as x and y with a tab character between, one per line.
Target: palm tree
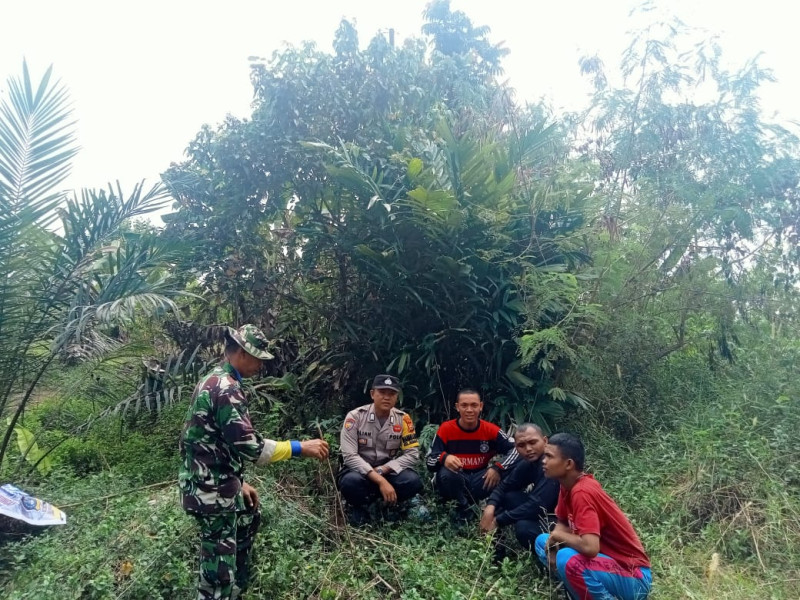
67	271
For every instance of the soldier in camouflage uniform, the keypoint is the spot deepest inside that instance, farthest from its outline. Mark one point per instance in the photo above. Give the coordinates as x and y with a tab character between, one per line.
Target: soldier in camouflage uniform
216	441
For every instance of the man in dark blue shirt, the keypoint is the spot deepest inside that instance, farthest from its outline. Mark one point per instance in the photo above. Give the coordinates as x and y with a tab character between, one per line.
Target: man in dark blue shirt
525	497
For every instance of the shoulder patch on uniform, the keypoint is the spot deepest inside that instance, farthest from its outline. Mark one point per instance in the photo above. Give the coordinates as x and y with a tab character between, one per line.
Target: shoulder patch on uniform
409	423
349	423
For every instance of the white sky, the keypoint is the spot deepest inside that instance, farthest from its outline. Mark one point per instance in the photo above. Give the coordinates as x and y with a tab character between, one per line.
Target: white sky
144	76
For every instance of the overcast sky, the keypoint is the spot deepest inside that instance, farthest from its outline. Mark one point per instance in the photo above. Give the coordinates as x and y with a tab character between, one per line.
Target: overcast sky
144	76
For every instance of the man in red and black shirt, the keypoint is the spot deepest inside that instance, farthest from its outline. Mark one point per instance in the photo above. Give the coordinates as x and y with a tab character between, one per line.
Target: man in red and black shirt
462	453
593	547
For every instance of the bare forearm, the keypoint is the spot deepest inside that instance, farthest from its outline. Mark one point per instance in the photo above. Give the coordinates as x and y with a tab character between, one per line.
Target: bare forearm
588	545
375	477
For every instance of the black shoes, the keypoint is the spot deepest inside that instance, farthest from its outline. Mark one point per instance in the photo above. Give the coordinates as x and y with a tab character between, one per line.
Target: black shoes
358	516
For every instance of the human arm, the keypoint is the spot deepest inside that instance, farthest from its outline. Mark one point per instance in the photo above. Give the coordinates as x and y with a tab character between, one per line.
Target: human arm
583	533
409	448
488	520
317	448
551	545
250	496
491	478
587	544
230	413
348	445
508	483
309	448
542	499
437	455
388	493
512	481
276	451
506	447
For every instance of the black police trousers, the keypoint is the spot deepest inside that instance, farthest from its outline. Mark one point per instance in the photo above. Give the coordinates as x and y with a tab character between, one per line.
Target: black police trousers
360	491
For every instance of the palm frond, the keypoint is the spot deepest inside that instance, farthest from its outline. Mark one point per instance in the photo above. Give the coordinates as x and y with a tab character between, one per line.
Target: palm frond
36	143
36	146
90	219
163	384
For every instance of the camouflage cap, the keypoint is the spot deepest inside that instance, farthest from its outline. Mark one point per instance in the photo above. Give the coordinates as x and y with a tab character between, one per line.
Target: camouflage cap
250	338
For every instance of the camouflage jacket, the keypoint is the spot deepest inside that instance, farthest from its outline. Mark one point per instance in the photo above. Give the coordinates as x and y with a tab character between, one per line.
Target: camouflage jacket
216	441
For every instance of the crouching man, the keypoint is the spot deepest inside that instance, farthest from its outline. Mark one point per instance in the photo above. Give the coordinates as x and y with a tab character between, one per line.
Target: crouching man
525	498
462	452
593	548
379	449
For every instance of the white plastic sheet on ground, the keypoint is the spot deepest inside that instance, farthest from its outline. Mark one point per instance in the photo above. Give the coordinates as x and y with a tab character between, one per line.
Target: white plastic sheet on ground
18	505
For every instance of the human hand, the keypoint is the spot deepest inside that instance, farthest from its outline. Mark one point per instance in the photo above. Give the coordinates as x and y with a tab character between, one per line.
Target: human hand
314	449
388	492
488	523
490	479
554	539
250	496
453	463
551	547
551	558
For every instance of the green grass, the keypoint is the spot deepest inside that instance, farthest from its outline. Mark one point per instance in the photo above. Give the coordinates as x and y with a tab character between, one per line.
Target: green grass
141	545
714	493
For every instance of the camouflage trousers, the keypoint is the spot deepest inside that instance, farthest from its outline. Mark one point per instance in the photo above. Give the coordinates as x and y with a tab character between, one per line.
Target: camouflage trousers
226	541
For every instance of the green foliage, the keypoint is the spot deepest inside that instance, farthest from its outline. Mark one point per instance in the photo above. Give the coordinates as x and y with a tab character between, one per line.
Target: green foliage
718	476
62	290
398	210
119	548
30	449
695	199
717	479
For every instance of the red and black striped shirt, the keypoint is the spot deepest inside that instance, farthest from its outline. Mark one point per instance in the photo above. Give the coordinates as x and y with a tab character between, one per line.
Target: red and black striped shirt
475	447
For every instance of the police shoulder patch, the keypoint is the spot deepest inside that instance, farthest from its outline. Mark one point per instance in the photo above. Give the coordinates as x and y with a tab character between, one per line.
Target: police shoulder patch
408	423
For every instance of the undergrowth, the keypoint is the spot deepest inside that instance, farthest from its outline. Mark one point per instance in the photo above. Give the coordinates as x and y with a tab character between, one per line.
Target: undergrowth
713	492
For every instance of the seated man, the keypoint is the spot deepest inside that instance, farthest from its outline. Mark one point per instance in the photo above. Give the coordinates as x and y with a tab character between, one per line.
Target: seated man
593	547
379	449
462	452
525	497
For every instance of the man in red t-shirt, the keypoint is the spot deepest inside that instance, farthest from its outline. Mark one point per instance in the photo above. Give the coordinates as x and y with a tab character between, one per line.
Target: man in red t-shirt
593	547
462	453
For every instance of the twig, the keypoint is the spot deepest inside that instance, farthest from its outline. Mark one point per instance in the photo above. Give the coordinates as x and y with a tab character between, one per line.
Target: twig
490	539
753	535
766	583
138	489
386	583
362	535
325	575
337	499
